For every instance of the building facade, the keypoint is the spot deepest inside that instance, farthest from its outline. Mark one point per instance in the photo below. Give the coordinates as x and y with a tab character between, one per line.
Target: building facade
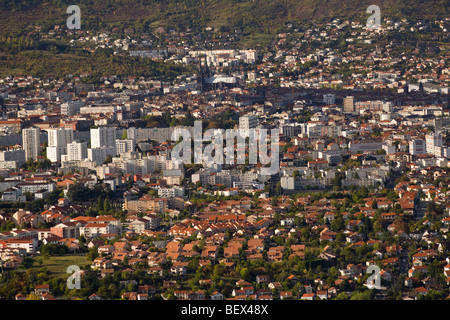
31	143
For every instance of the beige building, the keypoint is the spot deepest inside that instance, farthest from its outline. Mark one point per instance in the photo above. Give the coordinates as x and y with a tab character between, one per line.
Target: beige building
147	203
349	104
14	126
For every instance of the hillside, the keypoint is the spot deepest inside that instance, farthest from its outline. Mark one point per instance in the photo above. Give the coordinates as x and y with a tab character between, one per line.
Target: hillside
31	44
252	15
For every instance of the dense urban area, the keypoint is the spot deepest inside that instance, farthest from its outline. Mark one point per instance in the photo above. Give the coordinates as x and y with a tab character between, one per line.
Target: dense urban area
88	179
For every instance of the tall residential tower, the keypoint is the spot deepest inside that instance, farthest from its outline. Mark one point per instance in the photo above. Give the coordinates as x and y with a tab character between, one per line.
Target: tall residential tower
31	143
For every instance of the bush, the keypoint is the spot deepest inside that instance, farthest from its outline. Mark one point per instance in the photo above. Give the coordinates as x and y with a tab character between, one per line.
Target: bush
53	249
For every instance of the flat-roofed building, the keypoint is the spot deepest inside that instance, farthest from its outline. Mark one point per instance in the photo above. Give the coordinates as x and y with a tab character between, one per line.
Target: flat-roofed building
31	143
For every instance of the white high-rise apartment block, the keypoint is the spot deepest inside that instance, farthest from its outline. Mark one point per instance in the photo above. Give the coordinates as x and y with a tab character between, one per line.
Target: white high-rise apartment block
103	137
434	143
59	137
54	153
246	123
57	143
31	142
98	155
123	146
76	151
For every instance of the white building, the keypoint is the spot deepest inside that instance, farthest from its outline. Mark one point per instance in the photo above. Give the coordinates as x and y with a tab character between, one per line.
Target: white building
123	146
59	137
77	150
148	222
54	153
30	245
31	142
157	163
246	123
105	109
315	129
374	106
172	192
57	143
251	76
417	146
17	156
13	195
72	107
103	137
136	166
98	155
94	230
34	187
434	144
7	165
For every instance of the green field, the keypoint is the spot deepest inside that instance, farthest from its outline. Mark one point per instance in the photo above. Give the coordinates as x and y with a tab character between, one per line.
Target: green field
56	266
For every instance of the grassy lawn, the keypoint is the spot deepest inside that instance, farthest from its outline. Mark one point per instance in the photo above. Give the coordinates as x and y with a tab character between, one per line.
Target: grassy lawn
256	39
57	265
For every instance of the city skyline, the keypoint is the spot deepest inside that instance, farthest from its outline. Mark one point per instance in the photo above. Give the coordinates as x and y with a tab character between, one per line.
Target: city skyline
241	152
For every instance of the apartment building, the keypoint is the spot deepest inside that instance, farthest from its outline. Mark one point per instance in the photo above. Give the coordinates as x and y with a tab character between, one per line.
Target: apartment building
29	244
57	143
77	151
67	230
147	203
16	156
94	230
31	143
246	123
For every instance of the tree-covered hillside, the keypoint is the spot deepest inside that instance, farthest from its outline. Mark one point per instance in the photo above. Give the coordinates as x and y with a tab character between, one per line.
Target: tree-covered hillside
251	15
34	38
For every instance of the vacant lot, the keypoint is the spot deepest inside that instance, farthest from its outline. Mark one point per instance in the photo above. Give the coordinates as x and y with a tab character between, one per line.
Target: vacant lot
57	265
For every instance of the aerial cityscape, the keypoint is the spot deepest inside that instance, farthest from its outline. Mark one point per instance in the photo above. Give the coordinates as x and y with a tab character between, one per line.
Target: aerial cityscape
224	150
